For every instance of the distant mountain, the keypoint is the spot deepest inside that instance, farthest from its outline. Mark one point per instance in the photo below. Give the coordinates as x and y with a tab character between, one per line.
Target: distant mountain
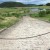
11	4
15	4
30	5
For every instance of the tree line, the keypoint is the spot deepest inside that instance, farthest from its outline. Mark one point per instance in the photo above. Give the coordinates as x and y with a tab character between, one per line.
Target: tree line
18	4
48	4
15	4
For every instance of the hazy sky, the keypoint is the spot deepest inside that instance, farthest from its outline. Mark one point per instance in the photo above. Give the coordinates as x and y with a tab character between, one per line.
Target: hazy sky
29	1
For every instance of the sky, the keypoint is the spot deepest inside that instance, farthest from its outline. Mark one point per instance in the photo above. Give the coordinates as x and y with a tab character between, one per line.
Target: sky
29	1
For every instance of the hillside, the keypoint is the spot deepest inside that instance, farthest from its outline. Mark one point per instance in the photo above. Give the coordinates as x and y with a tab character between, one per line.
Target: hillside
11	4
15	4
30	5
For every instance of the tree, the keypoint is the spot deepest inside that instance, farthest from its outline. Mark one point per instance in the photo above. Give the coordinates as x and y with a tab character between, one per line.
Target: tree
48	4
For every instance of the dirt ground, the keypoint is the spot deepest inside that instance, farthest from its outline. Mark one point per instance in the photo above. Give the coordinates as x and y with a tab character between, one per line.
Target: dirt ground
28	34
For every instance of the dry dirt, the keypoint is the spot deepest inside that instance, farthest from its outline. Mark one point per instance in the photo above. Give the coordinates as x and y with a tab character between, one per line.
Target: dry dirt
28	34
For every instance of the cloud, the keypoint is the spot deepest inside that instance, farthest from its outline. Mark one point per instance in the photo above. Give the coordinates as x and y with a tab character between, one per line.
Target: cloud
29	1
6	0
33	1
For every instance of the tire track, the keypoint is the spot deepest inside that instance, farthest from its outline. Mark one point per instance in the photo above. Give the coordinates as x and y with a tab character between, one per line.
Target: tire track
25	37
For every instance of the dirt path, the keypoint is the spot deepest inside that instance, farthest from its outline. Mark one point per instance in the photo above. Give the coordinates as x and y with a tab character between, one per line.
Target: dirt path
29	34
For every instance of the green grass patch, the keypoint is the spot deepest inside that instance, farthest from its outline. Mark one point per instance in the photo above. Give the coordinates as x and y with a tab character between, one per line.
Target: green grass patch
8	21
9	16
44	18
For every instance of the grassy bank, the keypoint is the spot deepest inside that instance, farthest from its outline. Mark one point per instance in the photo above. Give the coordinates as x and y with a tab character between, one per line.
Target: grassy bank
7	22
45	18
9	16
42	15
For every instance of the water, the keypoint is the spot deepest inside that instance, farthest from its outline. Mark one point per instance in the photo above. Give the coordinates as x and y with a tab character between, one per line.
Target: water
34	9
37	9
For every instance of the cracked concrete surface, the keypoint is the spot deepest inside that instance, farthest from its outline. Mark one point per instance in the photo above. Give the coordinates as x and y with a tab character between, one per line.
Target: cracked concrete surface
28	27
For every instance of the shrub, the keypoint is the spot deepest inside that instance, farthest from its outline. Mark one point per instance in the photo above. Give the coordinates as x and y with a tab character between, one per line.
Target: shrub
4	14
17	15
8	14
47	11
34	15
42	13
2	18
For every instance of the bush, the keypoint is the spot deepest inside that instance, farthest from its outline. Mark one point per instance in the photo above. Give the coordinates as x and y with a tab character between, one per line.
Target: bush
8	14
3	14
2	18
47	11
34	15
42	13
17	15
